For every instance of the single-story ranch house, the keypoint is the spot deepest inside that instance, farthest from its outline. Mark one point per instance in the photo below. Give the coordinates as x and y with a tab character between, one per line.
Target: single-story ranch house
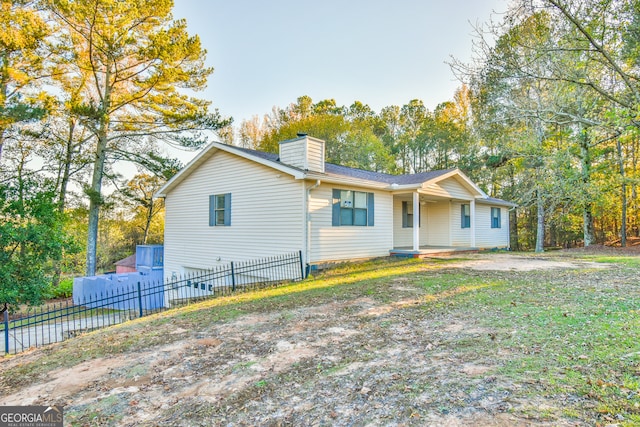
231	204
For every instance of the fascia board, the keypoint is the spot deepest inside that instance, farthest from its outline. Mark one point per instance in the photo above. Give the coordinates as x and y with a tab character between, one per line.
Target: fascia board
496	202
332	179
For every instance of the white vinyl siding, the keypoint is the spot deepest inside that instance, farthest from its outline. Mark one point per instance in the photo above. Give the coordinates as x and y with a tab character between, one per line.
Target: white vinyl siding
267	215
487	237
403	236
435	225
459	236
438	224
450	188
451	234
330	243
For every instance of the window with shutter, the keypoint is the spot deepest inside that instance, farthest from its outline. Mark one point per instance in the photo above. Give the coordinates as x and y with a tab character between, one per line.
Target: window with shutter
495	218
220	209
352	208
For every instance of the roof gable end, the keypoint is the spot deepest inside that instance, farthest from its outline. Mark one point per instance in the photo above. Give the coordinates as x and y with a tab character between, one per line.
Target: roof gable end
266	159
463	179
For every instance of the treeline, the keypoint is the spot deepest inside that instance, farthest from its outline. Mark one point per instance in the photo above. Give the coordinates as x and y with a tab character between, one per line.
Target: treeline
548	118
85	87
556	92
399	139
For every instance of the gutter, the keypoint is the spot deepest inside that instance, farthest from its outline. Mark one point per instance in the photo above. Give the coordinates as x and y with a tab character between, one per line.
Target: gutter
354	182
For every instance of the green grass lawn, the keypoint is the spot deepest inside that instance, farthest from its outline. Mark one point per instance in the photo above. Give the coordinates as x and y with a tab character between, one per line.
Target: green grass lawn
557	346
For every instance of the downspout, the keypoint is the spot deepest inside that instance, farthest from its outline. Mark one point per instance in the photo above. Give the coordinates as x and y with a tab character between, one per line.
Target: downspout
307	218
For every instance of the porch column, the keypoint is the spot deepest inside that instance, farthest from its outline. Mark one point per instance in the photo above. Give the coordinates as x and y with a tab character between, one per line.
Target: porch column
472	222
416	221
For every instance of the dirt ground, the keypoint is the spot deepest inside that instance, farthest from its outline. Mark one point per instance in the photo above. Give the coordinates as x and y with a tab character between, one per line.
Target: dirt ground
256	370
509	262
632	248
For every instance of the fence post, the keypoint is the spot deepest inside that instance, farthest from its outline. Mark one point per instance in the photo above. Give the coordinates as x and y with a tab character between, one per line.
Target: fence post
301	265
6	331
139	300
233	278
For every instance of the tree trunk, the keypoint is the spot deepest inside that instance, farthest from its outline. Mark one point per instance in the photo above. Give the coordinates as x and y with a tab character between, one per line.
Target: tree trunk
62	194
147	224
623	194
515	240
553	234
4	88
540	223
95	201
587	210
635	208
587	228
66	172
95	192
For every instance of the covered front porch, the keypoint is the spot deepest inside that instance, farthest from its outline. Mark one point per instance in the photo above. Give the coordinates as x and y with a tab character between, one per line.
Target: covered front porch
428	224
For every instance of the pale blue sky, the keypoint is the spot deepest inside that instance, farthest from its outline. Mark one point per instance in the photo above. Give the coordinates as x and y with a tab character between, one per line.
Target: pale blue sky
380	52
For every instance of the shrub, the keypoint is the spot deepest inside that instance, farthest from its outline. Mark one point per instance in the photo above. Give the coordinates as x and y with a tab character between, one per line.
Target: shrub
63	290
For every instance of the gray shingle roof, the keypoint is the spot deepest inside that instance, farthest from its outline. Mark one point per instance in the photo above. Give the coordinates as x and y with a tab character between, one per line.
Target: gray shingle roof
345	171
331	170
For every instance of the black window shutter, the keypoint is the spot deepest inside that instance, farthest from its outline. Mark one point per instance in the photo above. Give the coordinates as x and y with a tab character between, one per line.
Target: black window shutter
370	210
335	217
462	217
227	209
212	210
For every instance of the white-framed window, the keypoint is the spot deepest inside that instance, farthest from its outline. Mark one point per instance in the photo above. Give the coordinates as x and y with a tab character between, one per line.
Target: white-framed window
220	209
465	216
496	218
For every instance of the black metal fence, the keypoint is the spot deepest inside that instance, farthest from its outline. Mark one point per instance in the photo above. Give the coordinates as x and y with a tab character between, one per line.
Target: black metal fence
60	321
